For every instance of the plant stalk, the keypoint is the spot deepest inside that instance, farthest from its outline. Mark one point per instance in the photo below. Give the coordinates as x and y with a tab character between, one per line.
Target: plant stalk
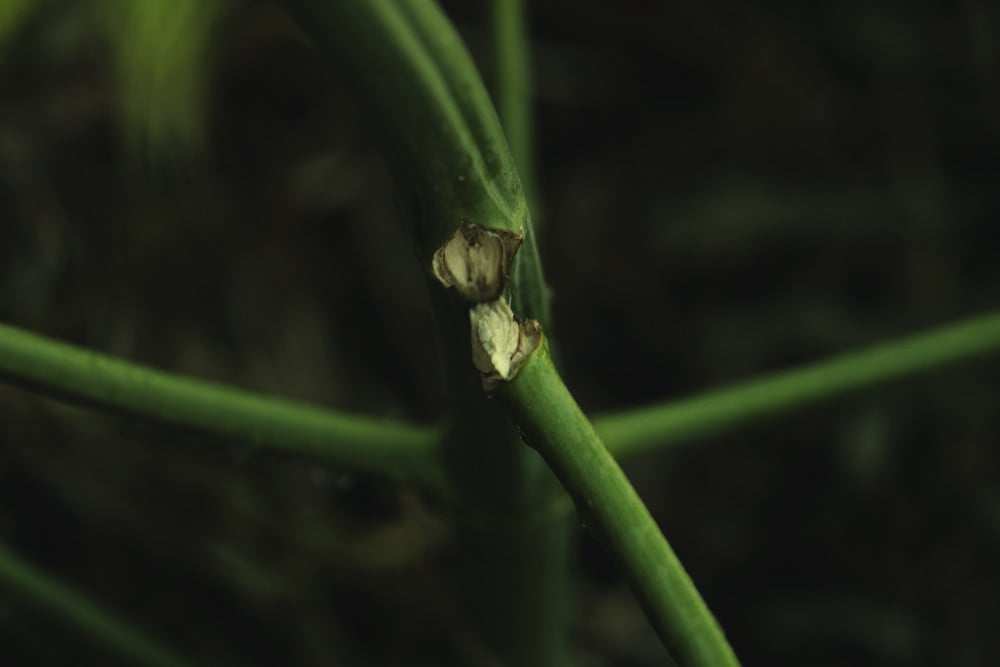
396	450
454	172
118	636
512	518
724	410
513	87
551	422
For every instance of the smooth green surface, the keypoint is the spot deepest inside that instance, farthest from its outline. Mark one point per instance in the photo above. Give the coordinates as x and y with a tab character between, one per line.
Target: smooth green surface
115	634
512	90
393	449
446	141
513	86
723	410
551	422
515	575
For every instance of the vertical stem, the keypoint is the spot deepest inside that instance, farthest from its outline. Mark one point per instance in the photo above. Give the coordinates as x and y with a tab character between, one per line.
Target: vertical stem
513	86
536	553
512	518
451	158
513	92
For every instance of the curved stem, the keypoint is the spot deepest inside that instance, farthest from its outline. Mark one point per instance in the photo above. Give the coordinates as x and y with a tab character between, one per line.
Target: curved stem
724	410
118	636
446	142
396	450
551	422
454	172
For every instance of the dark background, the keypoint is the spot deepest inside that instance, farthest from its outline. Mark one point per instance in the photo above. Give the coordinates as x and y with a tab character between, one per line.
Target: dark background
726	189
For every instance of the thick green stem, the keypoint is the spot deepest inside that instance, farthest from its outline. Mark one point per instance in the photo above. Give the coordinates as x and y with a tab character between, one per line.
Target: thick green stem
445	141
453	165
115	634
512	517
396	450
551	422
724	410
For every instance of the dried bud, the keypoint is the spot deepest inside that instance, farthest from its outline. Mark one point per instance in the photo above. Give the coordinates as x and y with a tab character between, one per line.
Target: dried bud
500	343
475	261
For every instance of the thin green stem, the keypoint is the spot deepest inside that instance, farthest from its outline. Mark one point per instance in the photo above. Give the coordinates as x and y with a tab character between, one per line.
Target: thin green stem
513	92
551	422
396	450
118	636
724	410
513	86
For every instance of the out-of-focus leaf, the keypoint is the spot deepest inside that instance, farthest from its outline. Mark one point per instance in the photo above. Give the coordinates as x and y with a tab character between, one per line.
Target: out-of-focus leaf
163	54
13	14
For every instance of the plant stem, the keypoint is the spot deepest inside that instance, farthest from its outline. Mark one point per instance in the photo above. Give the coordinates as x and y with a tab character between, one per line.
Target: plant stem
551	422
512	64
74	609
512	518
446	143
451	158
396	450
512	84
724	410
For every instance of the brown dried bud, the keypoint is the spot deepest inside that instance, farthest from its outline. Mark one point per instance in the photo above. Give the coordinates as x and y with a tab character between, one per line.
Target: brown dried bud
475	261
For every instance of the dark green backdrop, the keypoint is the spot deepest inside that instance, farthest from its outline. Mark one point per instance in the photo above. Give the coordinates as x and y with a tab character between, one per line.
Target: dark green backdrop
727	189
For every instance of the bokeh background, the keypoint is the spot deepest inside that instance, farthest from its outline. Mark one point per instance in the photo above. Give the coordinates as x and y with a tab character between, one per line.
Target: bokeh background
726	189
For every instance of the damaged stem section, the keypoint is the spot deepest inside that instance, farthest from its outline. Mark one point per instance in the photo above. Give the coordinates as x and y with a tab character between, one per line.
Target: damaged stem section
552	423
476	262
516	367
500	342
458	188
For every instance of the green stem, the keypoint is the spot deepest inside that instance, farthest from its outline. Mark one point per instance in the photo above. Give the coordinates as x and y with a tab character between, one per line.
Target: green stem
392	449
451	158
512	84
446	143
551	422
512	518
724	410
512	59
118	636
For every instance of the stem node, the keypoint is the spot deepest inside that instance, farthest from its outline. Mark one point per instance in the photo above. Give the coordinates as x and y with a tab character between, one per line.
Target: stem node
476	261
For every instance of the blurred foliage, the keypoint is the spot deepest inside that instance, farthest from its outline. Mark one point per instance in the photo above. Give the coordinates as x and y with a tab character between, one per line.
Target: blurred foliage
162	50
12	14
727	188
